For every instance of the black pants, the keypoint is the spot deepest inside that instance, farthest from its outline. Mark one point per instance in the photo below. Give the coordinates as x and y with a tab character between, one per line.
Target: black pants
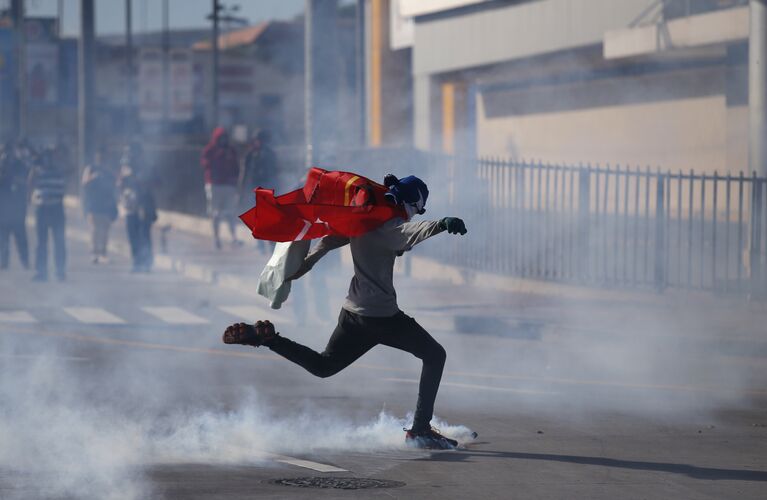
19	232
355	335
139	229
50	219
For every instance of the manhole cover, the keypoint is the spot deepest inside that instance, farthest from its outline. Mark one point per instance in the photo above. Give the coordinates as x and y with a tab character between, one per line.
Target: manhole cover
339	483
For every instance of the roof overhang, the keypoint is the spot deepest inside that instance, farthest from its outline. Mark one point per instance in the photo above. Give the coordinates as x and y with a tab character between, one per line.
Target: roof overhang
414	8
719	27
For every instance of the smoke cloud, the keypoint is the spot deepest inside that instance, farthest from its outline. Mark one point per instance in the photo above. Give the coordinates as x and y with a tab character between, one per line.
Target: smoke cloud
62	436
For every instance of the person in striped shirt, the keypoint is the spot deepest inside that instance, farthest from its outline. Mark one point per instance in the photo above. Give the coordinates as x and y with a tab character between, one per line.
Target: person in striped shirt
46	188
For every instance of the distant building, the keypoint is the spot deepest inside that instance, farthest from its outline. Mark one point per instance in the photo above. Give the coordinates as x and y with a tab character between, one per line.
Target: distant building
112	83
260	78
260	82
636	82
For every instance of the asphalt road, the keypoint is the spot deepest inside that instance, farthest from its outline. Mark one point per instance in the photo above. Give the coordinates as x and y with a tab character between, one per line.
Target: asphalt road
115	385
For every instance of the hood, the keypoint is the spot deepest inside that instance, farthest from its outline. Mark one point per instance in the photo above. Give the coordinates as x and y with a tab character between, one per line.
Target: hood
217	132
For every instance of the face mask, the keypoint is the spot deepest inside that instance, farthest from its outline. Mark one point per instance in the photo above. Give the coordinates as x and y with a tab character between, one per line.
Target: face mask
415	208
411	209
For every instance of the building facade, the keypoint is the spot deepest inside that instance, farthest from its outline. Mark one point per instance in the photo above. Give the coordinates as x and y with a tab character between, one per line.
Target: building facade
629	82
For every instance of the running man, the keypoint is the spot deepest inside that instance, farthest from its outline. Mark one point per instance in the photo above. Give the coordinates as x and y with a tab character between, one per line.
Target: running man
370	315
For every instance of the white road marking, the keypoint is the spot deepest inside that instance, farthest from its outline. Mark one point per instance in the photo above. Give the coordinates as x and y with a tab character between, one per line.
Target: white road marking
16	317
298	462
94	315
474	386
306	464
176	316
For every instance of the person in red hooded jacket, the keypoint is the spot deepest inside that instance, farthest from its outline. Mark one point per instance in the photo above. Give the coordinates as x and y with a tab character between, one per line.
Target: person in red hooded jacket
222	171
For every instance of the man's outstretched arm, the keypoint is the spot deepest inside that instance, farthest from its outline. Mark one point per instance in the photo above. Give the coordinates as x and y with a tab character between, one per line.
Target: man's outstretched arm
324	246
405	236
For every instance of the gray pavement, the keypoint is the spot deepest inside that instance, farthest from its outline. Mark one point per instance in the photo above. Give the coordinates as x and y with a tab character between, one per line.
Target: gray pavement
115	385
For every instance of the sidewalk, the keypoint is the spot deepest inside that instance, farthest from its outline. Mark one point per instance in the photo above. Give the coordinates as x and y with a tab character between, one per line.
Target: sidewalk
449	298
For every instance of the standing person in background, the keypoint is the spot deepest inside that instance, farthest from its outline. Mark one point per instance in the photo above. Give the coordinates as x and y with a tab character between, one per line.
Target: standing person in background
99	204
24	152
13	206
222	172
138	204
260	168
47	185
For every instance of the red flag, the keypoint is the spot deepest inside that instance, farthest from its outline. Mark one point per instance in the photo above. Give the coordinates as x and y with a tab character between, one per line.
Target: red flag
331	202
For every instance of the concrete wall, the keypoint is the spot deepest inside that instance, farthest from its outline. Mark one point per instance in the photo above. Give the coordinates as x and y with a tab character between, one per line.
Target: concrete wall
679	134
673	120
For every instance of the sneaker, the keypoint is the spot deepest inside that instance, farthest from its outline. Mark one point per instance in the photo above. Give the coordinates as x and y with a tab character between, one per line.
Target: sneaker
40	278
429	439
262	333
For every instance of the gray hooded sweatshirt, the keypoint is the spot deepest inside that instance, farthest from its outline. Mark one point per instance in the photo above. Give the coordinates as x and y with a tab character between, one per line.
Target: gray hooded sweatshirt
371	291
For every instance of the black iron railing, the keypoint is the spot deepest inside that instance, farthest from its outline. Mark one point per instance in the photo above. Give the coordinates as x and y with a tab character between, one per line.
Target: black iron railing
608	226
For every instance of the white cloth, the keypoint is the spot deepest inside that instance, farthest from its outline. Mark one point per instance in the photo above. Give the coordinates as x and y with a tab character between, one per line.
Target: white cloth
285	261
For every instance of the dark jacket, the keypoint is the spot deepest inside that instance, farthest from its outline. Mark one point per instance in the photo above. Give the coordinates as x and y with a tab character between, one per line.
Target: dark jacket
136	195
13	191
99	192
260	169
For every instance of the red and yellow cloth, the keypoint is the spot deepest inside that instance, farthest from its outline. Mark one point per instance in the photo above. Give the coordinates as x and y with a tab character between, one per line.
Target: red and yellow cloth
330	203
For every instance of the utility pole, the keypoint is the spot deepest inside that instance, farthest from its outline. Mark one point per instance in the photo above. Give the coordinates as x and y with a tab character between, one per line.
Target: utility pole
213	111
60	18
20	54
308	84
360	50
757	88
757	139
165	62
85	94
129	111
320	80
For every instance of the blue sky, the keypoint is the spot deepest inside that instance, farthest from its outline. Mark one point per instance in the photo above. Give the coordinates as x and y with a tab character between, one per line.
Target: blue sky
147	14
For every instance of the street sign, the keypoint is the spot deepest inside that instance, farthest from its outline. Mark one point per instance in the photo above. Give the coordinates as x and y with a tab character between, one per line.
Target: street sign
42	66
181	85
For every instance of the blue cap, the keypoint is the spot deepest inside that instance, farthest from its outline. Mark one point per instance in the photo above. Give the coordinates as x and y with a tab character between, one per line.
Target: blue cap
409	189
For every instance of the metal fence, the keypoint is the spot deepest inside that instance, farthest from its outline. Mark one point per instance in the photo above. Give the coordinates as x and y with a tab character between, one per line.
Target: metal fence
615	227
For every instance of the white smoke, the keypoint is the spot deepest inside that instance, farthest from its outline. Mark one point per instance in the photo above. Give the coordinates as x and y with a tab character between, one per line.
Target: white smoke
56	442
